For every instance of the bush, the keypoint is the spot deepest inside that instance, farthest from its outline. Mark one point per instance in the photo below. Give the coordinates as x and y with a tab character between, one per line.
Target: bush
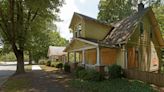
42	62
59	65
76	72
48	63
115	71
81	74
52	65
90	75
93	75
67	68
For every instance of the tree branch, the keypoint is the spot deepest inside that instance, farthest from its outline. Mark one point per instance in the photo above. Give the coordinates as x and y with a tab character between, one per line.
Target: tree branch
11	18
5	29
36	12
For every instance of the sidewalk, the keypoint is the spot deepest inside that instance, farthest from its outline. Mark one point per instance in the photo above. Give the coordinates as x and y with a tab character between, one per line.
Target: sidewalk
36	67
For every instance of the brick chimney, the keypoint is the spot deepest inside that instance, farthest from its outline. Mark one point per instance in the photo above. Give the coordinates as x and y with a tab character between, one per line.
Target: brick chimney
140	7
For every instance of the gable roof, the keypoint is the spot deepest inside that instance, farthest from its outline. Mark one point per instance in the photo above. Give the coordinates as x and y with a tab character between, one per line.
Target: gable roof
56	51
124	28
87	18
92	19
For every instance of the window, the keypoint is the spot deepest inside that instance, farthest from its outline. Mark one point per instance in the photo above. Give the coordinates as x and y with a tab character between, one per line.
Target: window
76	34
141	28
78	30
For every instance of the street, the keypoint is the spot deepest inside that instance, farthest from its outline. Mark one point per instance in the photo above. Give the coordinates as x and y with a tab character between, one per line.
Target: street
6	70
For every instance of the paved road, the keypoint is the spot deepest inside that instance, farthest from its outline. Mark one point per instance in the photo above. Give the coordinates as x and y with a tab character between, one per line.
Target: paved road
6	70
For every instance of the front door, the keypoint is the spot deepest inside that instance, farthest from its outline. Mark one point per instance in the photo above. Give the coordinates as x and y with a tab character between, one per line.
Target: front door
132	58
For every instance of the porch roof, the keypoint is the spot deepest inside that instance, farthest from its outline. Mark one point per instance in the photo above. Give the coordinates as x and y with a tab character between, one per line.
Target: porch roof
85	43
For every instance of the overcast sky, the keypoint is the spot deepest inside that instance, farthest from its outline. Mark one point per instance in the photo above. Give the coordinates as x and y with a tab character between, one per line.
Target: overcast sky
86	7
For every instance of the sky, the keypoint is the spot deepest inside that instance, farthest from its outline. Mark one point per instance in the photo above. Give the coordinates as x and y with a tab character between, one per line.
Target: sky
86	7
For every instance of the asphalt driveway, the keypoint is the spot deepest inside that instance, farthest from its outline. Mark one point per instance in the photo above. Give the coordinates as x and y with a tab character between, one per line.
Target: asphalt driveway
6	70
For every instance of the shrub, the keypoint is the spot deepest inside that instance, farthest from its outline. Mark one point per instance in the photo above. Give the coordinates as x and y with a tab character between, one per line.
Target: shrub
93	75
59	65
90	75
67	68
115	71
42	62
48	63
76	72
81	74
52	65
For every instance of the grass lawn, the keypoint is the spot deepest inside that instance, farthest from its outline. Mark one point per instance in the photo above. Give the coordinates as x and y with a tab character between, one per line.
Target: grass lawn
19	83
115	85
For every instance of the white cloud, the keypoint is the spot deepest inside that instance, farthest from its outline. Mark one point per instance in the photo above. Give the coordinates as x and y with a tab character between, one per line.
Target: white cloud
82	1
66	14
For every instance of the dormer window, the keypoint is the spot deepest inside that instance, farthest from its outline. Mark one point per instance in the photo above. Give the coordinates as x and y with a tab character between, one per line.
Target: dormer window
78	30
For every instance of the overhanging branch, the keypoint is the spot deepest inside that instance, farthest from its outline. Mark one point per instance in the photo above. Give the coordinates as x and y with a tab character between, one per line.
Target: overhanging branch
36	12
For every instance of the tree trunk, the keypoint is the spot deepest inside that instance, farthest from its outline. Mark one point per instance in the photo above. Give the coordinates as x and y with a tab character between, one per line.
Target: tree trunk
20	60
30	58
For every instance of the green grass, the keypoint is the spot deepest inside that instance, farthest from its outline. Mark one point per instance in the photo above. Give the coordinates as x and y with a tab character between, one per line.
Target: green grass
17	84
114	85
28	67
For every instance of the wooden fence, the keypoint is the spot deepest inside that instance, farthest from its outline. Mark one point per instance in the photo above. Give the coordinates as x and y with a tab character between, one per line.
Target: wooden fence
148	77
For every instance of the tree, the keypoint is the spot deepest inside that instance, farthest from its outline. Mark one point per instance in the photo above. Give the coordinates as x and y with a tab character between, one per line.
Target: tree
17	17
115	10
45	29
39	44
159	13
57	40
160	17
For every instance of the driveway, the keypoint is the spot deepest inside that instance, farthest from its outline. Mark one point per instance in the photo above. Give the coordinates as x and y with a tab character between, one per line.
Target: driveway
6	70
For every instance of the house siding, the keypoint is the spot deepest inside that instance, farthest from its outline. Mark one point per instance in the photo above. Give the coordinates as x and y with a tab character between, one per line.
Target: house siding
143	60
108	56
90	56
95	31
120	58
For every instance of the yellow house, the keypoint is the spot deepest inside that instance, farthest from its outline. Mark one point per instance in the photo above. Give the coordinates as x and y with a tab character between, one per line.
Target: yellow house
133	43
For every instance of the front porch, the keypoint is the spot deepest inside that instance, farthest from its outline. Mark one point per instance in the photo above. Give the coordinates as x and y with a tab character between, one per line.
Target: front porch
90	55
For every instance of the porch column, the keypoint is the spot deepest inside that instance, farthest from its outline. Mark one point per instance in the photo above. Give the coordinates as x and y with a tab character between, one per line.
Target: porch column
83	56
64	59
125	57
99	67
98	63
68	57
74	57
